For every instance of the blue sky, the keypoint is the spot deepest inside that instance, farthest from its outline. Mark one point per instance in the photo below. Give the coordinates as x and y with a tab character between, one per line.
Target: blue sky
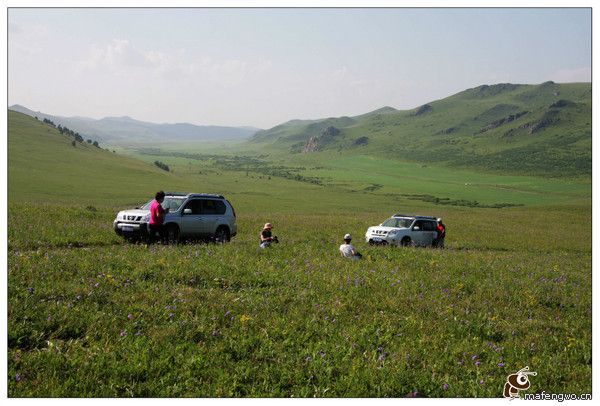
261	67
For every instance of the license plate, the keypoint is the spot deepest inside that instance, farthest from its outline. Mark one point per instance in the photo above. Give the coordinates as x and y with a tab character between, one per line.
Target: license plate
127	228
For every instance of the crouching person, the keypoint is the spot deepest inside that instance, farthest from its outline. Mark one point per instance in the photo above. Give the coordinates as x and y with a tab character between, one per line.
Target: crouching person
347	250
266	236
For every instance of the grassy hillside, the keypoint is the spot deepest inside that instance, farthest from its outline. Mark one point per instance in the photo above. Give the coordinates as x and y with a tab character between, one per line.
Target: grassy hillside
43	164
44	167
535	129
92	316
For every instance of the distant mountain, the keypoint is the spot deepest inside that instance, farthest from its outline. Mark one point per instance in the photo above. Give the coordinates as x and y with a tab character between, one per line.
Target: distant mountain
535	129
128	131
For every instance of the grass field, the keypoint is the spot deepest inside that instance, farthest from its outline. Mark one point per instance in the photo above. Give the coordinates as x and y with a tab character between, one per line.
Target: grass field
90	315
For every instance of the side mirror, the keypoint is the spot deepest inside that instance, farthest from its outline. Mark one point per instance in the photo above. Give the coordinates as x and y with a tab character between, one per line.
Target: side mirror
416	228
187	211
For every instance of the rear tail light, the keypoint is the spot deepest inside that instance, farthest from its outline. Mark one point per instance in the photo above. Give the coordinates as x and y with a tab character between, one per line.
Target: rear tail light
232	209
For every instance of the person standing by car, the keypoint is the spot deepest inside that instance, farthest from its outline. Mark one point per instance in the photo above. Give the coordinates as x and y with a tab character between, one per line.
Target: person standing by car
266	236
157	218
347	250
441	234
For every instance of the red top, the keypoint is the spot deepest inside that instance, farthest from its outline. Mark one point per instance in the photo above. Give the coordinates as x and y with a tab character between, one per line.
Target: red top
441	230
157	214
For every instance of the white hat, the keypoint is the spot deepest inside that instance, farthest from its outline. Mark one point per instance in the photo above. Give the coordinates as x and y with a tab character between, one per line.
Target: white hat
347	237
439	220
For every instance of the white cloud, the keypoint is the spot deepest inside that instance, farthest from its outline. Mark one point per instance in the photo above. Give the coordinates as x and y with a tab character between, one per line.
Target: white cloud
120	57
583	74
118	54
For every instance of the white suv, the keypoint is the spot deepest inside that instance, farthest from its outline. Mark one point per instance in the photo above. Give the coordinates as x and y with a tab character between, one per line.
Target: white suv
405	230
190	216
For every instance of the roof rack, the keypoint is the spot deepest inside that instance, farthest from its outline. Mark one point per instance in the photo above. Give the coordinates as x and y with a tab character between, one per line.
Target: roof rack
416	216
182	194
206	195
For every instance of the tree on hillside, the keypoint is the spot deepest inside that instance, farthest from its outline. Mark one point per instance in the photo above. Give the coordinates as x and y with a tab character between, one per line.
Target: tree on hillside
49	122
162	166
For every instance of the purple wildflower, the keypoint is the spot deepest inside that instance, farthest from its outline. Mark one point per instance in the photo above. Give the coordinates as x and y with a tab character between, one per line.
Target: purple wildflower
501	364
474	357
477	363
481	382
130	316
18	377
30	290
123	333
445	386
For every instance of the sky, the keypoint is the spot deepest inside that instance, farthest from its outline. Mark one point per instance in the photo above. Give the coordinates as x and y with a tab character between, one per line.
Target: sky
261	67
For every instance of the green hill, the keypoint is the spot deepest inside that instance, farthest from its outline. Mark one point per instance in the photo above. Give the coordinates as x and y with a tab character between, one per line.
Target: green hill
43	163
535	129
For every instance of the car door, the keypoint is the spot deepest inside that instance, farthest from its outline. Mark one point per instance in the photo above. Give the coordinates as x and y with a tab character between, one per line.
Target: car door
418	234
191	219
429	232
212	213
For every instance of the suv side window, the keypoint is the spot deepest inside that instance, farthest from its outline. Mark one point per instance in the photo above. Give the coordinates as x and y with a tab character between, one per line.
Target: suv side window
195	205
428	226
418	223
210	206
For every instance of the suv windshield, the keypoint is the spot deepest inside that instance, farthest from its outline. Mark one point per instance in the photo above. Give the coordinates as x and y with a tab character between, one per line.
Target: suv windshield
171	203
398	223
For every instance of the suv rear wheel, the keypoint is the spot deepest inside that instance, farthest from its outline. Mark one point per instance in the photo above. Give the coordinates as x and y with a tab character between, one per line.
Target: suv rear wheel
222	234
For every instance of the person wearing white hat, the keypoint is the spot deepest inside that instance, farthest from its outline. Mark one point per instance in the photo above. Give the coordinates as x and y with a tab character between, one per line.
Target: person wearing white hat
438	242
266	237
347	250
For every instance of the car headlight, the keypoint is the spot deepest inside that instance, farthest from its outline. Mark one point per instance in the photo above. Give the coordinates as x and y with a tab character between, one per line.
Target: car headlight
393	233
146	218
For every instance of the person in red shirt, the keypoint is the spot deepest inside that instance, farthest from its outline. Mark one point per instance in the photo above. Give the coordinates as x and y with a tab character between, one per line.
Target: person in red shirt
157	218
441	234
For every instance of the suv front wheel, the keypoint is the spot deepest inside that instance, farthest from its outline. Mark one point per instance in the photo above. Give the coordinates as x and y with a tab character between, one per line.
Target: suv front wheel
405	242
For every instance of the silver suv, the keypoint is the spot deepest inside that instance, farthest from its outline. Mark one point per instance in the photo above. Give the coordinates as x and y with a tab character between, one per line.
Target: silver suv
405	230
190	216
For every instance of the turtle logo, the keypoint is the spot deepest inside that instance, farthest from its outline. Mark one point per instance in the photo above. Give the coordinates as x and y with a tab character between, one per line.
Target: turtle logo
517	382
